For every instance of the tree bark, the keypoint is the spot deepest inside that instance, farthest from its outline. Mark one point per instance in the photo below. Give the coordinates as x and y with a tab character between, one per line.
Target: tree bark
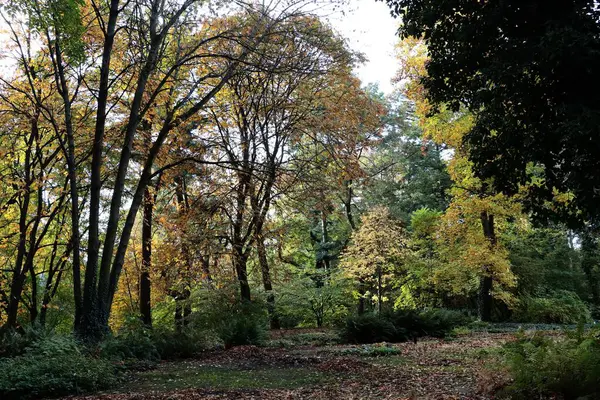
361	297
485	300
379	290
91	324
145	283
18	273
267	284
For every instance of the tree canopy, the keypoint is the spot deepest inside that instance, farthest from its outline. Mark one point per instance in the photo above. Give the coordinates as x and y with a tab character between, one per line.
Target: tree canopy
528	71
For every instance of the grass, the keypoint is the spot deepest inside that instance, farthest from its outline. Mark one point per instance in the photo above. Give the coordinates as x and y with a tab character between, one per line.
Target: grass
431	368
183	375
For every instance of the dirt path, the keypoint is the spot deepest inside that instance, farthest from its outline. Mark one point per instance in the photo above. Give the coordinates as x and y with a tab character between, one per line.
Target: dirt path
430	369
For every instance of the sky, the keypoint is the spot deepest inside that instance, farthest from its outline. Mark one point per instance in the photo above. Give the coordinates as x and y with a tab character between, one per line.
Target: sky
370	29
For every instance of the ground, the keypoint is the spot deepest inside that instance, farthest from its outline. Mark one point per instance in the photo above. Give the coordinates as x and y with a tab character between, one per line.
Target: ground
288	368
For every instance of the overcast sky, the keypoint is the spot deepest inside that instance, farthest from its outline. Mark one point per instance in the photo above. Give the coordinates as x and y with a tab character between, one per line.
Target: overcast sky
371	30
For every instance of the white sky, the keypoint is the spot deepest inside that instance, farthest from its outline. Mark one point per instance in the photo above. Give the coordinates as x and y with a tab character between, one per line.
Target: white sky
371	30
368	26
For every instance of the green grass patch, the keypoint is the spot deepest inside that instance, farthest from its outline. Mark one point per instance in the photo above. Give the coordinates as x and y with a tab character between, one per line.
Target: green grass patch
184	375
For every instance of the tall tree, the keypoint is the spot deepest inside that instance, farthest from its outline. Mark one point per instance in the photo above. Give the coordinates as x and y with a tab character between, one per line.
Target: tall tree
531	80
376	253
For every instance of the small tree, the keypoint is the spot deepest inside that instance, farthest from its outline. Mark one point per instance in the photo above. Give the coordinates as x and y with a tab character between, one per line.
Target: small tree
376	252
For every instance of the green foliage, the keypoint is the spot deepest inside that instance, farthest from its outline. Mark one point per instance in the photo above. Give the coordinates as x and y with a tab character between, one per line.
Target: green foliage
63	19
402	325
135	349
530	80
406	172
561	307
14	343
541	366
303	301
51	367
543	260
243	328
367	328
232	321
430	322
185	344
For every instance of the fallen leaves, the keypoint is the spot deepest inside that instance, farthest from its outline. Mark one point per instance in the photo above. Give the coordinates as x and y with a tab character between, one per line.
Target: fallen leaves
431	369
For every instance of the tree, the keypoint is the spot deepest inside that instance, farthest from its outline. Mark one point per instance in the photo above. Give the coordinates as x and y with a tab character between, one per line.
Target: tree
471	222
145	61
405	171
256	122
376	252
531	80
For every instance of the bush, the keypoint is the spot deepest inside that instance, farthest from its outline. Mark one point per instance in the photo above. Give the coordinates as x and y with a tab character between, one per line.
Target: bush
368	328
542	366
441	322
242	329
562	307
53	367
188	343
402	325
135	349
14	343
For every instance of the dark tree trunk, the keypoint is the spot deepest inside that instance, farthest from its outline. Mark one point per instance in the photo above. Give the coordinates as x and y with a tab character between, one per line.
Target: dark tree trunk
18	273
379	290
325	240
206	269
361	297
484	303
240	265
183	309
145	284
266	278
72	175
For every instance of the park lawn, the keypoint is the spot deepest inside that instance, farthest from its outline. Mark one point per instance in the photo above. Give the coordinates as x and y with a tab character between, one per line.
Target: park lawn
458	368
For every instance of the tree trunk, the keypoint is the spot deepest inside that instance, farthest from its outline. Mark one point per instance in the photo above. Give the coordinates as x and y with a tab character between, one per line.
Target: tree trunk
72	175
361	297
18	273
266	278
182	309
325	240
484	303
91	325
379	289
239	263
145	284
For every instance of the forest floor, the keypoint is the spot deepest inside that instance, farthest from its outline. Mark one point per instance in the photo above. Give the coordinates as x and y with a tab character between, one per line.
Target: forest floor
457	368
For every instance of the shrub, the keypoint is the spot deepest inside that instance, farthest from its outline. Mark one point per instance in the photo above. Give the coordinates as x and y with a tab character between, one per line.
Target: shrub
441	322
188	343
408	323
242	329
542	366
562	307
53	367
402	325
14	343
368	328
135	349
